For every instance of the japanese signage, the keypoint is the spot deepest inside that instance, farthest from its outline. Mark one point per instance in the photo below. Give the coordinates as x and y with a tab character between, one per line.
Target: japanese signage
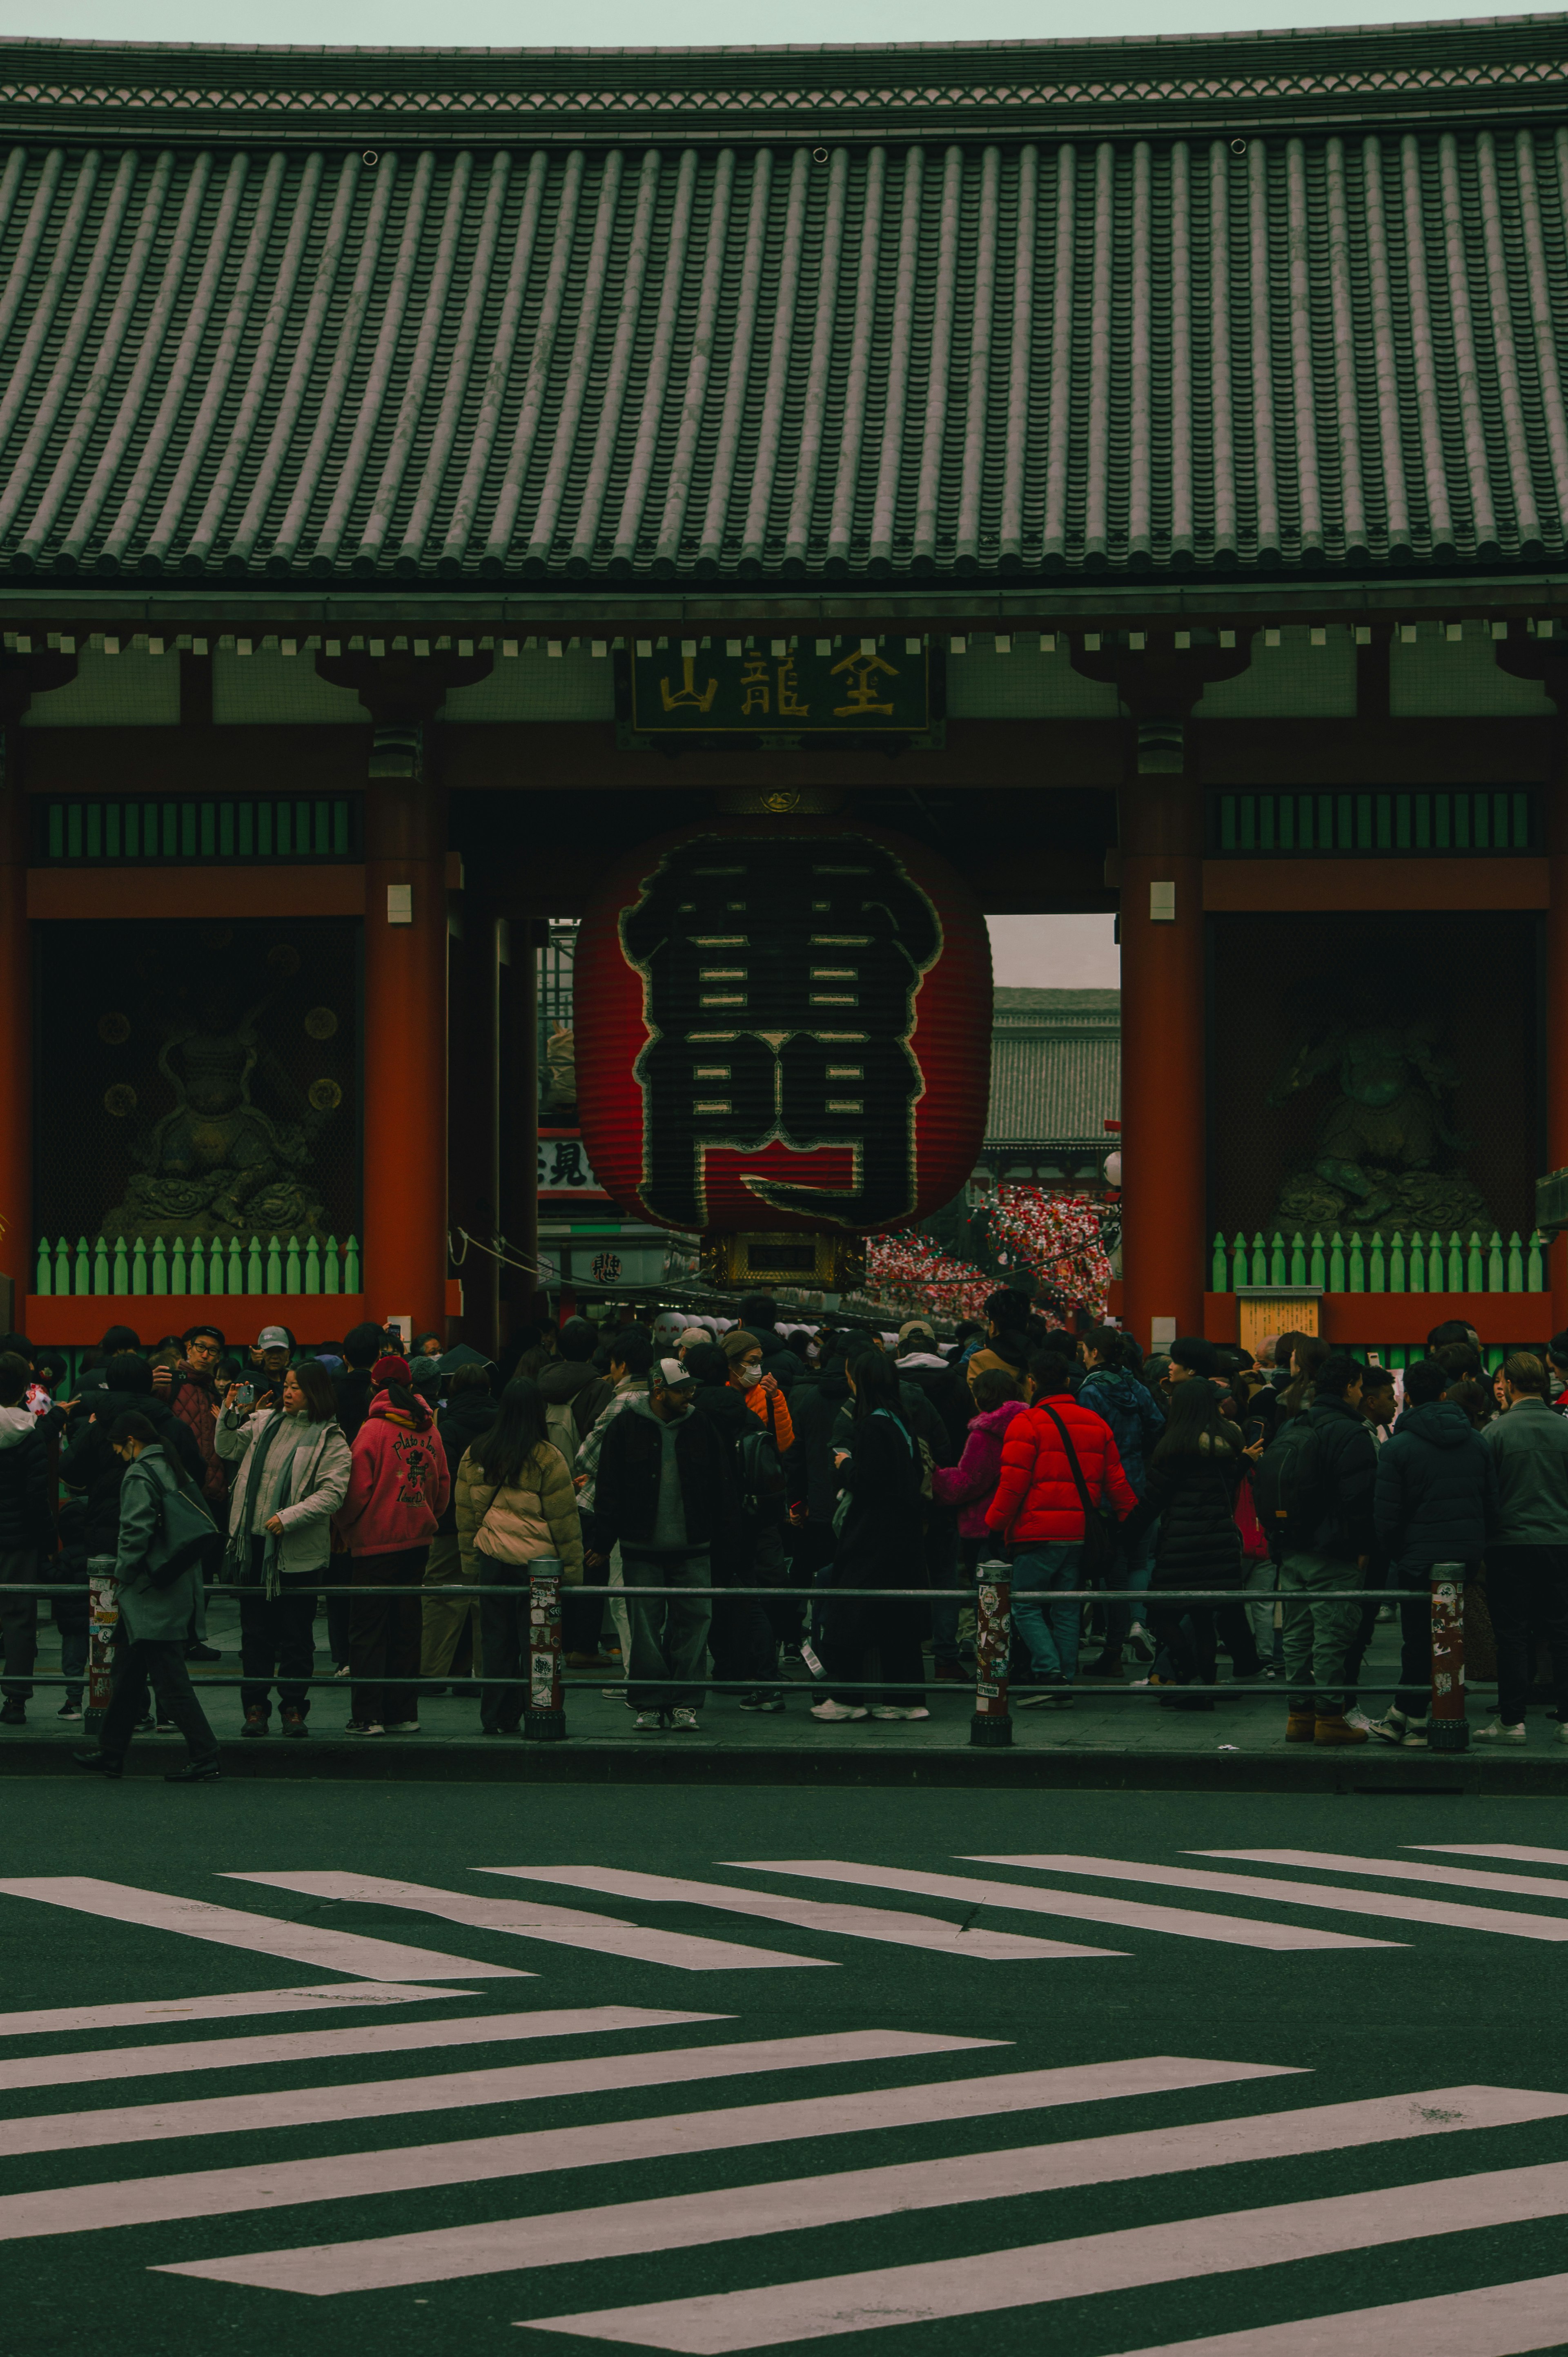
776	1025
780	689
564	1165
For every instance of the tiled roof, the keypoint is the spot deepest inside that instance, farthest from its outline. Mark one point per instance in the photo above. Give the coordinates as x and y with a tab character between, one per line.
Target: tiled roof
1013	357
1055	1066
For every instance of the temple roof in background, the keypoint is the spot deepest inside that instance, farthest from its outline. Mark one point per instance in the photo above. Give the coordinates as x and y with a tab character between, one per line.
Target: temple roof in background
1259	304
1055	1066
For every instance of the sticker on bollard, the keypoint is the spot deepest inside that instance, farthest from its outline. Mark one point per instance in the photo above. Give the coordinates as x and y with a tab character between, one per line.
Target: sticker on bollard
992	1724
545	1718
104	1618
1447	1728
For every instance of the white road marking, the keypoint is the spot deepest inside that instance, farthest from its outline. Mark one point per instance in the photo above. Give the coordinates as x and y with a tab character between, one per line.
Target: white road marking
148	2012
1526	1852
1024	1898
401	2168
112	2063
789	2206
892	1924
1400	1869
263	1935
1332	1897
533	1918
1497	2320
1223	2243
605	2074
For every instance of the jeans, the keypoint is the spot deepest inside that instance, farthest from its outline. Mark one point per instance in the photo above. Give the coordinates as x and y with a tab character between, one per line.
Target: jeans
1048	1633
74	1662
383	1636
278	1639
1526	1594
1119	1618
1319	1636
668	1633
446	1606
1262	1580
18	1623
162	1662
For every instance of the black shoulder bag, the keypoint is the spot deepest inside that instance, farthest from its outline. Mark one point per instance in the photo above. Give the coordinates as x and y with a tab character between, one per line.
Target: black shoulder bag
1099	1545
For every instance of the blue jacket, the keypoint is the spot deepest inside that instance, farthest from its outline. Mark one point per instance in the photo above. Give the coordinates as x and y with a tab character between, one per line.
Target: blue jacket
1435	1499
1135	1418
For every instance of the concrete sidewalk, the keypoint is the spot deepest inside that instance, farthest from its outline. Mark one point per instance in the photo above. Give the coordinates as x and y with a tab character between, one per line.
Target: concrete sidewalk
1111	1735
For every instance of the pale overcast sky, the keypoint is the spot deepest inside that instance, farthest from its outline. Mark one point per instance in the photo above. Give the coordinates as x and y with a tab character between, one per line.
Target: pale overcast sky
1055	952
611	23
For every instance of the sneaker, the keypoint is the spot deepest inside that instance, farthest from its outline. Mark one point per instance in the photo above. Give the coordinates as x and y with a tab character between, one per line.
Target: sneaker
1500	1732
1562	1734
13	1714
363	1727
1415	1736
144	1726
98	1763
683	1721
762	1701
343	1671
1141	1643
1333	1726
837	1710
294	1723
69	1710
402	1726
891	1710
1390	1729
648	1722
199	1653
1358	1718
165	1727
255	1720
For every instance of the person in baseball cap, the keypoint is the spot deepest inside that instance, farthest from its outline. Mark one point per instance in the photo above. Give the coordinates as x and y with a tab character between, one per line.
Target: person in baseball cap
270	1354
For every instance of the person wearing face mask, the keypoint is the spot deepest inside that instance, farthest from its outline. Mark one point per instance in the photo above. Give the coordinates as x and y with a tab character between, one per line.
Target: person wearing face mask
291	1468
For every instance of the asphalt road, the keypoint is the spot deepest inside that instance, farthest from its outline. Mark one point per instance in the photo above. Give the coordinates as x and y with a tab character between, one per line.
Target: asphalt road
980	2072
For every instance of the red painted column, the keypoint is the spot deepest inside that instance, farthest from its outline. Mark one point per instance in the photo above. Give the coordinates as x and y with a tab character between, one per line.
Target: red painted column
16	1032
406	1052
1162	1022
1556	1011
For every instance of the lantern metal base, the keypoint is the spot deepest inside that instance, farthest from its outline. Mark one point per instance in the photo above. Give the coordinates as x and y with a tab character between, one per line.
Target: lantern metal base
996	1733
802	1256
1448	1735
544	1727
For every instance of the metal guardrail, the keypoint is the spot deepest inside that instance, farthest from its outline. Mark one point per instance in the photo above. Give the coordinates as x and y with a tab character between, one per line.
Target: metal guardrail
544	1720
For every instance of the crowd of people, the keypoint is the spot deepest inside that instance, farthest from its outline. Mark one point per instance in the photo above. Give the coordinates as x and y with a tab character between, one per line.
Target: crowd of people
754	1512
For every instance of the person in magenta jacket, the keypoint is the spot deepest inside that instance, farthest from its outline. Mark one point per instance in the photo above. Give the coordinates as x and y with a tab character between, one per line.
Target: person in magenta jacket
970	1486
398	1489
1037	1510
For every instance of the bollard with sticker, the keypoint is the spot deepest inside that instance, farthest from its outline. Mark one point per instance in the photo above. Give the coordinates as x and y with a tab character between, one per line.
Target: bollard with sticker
104	1618
992	1724
545	1718
1447	1728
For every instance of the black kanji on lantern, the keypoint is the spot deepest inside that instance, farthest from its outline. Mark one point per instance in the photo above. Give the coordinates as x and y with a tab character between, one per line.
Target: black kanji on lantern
780	978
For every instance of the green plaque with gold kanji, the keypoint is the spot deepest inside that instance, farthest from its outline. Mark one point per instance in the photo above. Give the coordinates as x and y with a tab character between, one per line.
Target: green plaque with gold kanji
853	690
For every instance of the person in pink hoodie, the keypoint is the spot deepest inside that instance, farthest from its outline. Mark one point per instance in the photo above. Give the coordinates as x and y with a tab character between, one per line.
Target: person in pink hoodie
398	1489
972	1481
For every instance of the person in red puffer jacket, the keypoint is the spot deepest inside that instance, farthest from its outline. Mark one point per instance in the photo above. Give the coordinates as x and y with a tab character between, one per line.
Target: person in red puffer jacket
1038	1512
398	1490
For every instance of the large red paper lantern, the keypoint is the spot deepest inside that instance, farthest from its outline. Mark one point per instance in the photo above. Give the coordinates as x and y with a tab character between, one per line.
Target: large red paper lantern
782	1024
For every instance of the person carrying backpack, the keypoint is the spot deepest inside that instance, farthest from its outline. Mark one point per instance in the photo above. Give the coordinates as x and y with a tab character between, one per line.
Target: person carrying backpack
164	1530
1325	1511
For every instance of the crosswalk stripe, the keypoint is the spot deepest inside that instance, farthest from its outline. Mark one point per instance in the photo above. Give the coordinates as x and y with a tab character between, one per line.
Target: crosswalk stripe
182	2054
683	2222
1223	2243
1497	2320
1401	1870
532	1919
1334	1898
235	2004
402	2168
1526	1852
894	1925
455	2090
263	1935
1092	1906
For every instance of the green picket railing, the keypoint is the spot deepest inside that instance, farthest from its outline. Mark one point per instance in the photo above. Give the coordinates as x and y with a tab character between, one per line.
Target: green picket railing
288	1265
1393	1264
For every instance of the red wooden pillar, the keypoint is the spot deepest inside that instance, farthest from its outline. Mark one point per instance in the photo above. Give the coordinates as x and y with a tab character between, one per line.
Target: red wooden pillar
1162	1022
406	1052
1556	1011
16	1031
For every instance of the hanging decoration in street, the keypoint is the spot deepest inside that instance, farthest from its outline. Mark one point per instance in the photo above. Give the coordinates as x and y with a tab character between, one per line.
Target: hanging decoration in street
782	1025
909	1274
1058	1240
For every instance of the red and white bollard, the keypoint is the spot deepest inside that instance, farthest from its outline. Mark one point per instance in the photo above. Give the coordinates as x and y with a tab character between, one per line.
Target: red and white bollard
544	1716
1447	1728
992	1643
102	1620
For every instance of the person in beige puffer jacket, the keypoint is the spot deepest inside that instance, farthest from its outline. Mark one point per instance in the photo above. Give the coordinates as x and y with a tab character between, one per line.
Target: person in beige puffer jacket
515	1503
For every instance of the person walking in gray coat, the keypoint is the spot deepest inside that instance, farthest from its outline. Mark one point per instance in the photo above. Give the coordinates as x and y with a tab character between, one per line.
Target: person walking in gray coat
154	1610
1527	1564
